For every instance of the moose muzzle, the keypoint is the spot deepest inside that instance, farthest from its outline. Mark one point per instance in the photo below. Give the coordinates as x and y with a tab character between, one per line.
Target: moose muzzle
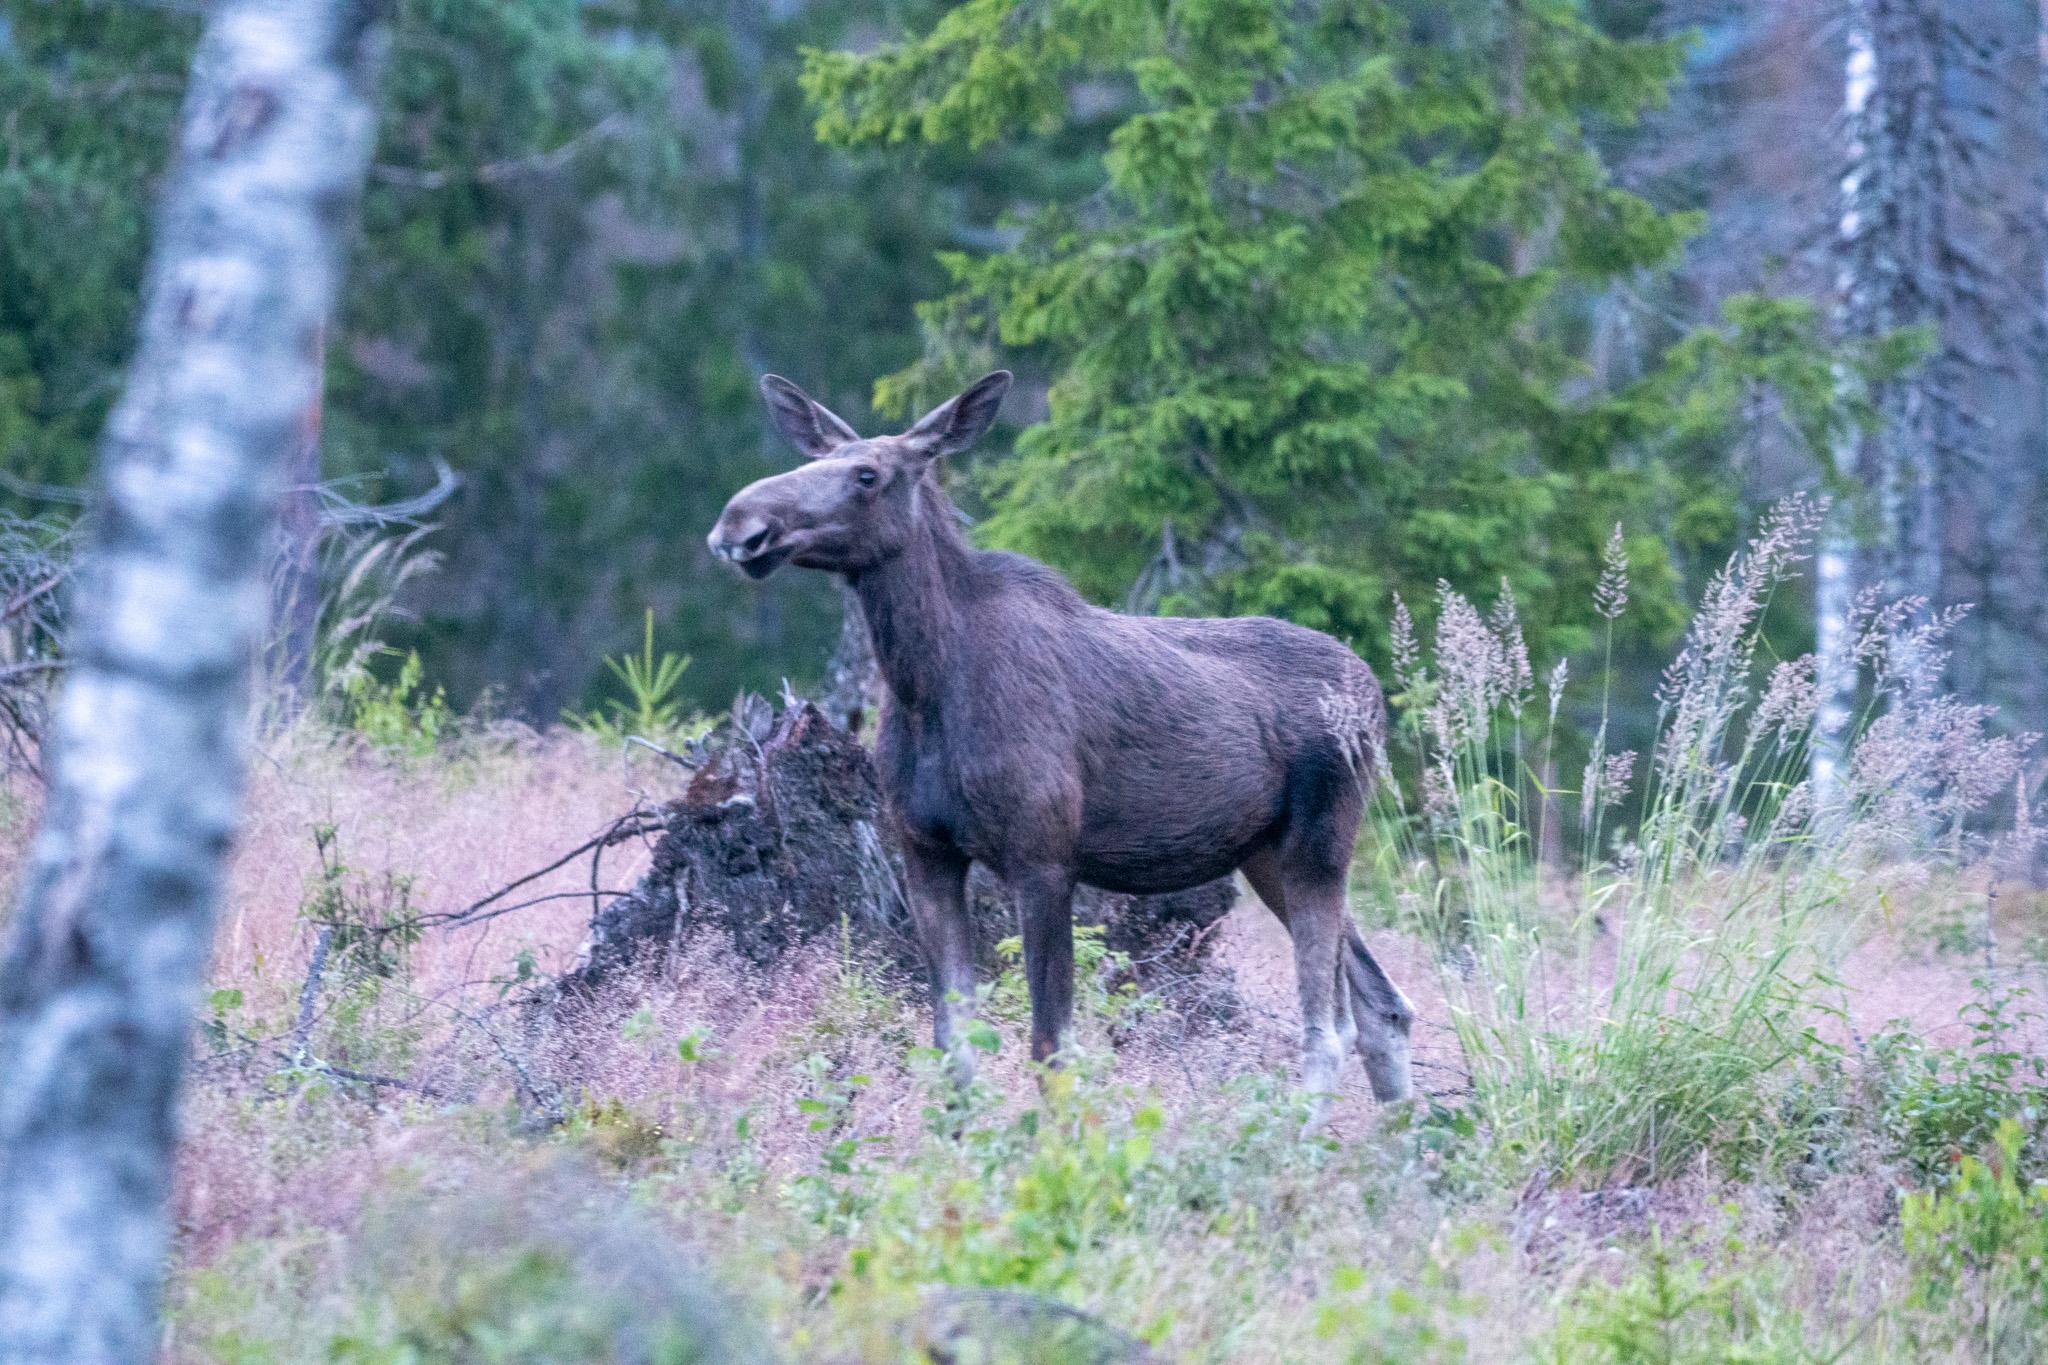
749	541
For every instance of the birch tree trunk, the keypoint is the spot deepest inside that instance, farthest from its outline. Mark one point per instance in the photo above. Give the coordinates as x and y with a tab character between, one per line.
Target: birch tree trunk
1836	577
112	930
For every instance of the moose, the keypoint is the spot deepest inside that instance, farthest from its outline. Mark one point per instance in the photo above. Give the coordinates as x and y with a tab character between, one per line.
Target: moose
1058	743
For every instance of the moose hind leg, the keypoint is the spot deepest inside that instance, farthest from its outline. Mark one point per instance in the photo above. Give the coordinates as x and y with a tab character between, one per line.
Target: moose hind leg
1384	1018
938	908
1315	918
1303	904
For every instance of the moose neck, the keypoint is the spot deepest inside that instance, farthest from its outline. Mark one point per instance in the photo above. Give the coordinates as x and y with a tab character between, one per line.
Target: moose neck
913	620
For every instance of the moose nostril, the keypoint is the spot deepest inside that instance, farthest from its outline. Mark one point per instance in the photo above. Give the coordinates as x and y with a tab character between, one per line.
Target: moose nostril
754	542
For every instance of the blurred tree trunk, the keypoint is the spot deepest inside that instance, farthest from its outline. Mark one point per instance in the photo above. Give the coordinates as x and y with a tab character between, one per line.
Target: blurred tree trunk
1942	228
1992	460
112	931
853	679
297	611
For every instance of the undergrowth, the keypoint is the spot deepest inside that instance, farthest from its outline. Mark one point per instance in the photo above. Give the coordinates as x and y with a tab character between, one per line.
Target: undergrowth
1661	1124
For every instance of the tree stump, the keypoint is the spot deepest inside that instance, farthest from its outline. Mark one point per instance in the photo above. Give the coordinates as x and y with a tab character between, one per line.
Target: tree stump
780	838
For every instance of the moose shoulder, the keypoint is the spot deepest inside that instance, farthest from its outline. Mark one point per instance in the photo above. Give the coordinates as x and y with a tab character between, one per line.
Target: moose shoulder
1058	743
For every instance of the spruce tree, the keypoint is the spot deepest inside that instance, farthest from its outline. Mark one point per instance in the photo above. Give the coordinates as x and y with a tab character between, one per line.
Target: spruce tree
1317	332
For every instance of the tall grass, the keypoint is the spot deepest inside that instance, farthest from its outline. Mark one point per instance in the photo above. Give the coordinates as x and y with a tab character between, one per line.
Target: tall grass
1660	1002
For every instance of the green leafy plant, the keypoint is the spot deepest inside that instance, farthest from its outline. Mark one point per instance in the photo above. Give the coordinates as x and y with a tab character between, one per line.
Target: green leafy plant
1979	1252
1104	987
511	1269
614	1132
1936	1105
1673	1311
403	716
371	926
1368	1323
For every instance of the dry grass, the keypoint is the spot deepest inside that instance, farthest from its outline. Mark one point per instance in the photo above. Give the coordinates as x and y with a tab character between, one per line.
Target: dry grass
457	827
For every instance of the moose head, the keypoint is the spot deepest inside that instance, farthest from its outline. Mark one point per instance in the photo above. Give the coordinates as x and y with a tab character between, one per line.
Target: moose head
854	504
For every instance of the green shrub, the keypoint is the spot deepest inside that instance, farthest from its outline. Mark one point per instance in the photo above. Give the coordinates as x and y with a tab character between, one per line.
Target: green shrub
1979	1255
1104	987
1672	1311
1935	1105
1363	1323
399	717
371	926
546	1267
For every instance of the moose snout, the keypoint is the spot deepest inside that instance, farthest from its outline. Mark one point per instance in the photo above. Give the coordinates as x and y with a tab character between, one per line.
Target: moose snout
747	540
740	537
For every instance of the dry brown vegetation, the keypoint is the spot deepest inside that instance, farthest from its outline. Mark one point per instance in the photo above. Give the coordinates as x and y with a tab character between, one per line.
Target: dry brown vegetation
776	1152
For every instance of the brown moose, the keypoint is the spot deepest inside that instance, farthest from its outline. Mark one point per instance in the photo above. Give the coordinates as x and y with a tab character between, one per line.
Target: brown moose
1058	743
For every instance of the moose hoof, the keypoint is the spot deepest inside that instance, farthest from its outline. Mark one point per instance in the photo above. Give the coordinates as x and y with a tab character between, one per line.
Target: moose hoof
1320	1107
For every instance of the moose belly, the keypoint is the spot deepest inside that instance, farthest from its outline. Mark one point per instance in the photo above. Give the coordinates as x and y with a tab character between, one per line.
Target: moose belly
1167	816
1146	851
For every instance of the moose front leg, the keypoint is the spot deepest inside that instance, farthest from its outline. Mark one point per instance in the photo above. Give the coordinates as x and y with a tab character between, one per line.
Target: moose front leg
938	909
1045	907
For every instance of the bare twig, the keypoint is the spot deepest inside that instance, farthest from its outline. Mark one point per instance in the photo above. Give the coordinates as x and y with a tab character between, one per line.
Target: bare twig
496	911
669	754
346	1073
618	832
549	1105
26	598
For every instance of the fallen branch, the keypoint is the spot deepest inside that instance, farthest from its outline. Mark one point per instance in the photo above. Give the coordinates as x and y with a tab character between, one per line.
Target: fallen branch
617	833
28	596
492	172
346	1073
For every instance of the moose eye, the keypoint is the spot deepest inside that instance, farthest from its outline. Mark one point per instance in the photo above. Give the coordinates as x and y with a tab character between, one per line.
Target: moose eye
865	477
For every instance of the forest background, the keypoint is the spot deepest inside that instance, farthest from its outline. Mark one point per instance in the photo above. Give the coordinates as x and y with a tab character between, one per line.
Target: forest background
1314	305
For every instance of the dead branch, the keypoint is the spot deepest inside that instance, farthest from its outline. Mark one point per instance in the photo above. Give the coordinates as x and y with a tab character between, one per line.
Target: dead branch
616	833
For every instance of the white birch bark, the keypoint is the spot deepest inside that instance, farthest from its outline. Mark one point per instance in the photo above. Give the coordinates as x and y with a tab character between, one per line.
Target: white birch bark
1835	570
112	930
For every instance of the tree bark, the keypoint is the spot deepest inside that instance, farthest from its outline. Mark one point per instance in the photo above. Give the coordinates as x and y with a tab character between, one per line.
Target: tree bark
112	931
853	680
1943	228
1837	576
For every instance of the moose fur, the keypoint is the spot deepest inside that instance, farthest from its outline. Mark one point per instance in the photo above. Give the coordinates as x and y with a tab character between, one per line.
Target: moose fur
1060	744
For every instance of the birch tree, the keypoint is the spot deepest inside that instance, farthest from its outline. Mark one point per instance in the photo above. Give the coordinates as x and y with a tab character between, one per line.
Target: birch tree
1836	570
111	933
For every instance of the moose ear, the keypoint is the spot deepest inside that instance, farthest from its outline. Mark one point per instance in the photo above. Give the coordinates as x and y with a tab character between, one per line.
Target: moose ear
958	422
814	429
